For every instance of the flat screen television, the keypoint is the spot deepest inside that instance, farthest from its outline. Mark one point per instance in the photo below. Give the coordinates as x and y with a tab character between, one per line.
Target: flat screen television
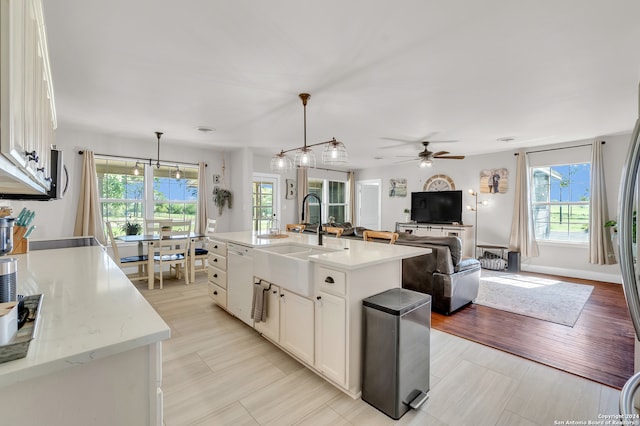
444	207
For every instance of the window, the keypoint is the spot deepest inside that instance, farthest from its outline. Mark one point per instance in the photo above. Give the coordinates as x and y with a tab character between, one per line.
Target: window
263	211
334	201
154	193
560	199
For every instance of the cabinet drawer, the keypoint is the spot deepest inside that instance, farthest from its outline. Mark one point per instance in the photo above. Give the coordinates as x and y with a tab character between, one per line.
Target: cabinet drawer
218	261
217	247
218	294
331	281
218	276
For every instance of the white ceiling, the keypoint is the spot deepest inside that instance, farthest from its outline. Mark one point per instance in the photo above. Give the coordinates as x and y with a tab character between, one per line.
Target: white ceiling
541	71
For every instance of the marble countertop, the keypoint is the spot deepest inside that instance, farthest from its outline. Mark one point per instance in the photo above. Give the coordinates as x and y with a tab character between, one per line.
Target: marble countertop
347	254
90	310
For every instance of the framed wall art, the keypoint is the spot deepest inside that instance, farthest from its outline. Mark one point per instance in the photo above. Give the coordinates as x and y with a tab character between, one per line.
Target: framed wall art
494	181
397	187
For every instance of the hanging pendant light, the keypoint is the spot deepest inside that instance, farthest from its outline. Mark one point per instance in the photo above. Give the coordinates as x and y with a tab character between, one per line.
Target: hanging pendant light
334	153
305	157
178	173
136	170
158	134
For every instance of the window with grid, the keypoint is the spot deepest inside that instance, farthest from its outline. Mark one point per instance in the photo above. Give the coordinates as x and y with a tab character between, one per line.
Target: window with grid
263	211
175	198
121	192
560	202
334	201
131	194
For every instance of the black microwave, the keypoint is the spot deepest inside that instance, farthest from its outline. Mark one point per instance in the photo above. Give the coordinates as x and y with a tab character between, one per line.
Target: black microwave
59	182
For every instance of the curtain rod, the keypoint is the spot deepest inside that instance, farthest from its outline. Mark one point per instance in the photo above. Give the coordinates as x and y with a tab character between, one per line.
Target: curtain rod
81	152
556	149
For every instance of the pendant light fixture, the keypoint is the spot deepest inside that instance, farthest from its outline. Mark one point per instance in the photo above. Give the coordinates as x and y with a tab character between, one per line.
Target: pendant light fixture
158	134
178	173
335	152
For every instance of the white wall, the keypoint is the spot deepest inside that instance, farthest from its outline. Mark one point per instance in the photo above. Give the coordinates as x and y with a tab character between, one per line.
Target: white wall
56	218
494	219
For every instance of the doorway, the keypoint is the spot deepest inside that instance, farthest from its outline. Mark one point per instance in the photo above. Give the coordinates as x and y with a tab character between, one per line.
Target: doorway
369	203
264	202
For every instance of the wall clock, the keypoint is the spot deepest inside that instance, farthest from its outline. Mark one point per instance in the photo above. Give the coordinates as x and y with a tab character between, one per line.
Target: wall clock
439	183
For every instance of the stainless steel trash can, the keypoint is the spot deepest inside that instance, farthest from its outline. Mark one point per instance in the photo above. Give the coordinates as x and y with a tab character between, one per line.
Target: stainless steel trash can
397	328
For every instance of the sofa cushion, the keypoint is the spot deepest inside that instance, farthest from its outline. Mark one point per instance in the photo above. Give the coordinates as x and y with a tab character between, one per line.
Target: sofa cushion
454	244
466	264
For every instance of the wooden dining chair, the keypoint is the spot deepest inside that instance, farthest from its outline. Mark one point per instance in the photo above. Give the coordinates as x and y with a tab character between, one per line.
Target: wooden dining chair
128	261
154	226
380	235
334	230
202	254
294	227
172	250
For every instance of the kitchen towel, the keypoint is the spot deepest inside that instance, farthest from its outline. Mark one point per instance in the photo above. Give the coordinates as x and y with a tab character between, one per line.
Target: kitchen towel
258	305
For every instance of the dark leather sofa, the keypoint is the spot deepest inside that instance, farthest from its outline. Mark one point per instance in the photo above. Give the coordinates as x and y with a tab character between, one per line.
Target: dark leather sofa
451	279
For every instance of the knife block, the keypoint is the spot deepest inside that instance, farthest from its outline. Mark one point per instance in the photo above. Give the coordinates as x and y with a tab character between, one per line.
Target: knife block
20	243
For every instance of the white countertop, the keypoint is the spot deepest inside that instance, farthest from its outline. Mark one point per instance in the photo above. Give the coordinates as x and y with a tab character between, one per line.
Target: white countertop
349	254
90	310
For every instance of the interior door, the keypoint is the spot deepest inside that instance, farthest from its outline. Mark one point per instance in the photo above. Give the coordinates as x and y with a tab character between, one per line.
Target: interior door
369	203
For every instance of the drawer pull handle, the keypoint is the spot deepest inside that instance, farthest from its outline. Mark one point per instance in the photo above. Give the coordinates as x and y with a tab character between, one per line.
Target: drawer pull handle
215	275
275	292
319	297
215	260
215	247
329	280
215	292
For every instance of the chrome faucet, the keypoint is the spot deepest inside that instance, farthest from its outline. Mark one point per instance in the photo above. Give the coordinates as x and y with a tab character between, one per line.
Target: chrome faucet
304	200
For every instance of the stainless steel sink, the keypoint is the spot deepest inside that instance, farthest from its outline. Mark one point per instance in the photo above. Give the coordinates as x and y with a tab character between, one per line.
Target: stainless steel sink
287	265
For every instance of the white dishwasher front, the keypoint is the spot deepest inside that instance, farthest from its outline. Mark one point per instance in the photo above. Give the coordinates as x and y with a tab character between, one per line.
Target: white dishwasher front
240	281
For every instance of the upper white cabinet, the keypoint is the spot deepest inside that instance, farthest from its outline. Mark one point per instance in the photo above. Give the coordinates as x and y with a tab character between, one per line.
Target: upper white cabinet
27	111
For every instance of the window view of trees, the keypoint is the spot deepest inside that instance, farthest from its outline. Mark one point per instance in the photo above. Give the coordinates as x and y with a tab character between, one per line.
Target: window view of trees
561	202
123	194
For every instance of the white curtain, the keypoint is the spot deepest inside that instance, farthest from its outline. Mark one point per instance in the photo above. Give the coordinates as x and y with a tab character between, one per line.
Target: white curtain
522	237
202	213
89	216
302	189
352	199
600	246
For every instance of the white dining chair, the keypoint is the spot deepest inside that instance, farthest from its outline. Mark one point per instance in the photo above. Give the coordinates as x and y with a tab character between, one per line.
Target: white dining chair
128	261
172	250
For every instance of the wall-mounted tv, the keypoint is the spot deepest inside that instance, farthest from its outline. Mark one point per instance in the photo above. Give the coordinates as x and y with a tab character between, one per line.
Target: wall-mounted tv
444	207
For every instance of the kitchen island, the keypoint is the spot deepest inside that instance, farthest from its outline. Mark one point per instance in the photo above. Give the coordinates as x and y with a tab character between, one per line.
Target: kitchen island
96	357
313	294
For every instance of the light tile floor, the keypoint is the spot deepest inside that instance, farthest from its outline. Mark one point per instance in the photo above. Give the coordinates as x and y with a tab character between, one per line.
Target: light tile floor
218	371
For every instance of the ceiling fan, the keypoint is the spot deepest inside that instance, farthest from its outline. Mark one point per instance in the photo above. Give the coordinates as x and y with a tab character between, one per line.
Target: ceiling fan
426	157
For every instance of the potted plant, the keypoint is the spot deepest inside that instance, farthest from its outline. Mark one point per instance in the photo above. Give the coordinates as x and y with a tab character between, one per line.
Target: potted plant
131	228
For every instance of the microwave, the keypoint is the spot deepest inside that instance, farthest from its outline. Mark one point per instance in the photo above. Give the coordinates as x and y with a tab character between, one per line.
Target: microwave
59	182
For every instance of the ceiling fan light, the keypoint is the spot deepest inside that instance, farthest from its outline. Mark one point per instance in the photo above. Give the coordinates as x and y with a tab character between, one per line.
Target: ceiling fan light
426	162
334	153
305	158
281	163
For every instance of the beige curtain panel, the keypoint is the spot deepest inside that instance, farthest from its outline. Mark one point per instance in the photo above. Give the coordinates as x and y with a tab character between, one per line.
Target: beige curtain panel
600	245
89	216
352	199
302	187
202	213
522	237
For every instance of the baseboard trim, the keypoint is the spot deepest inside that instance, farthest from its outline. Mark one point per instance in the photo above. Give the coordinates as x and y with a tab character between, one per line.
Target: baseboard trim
573	273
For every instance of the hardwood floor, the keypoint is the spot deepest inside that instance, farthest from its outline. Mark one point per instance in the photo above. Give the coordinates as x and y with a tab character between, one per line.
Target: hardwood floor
219	371
599	347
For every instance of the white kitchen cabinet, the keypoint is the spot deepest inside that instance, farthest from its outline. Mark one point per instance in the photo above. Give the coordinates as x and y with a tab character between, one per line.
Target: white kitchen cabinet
297	325
26	99
464	232
217	271
331	337
270	327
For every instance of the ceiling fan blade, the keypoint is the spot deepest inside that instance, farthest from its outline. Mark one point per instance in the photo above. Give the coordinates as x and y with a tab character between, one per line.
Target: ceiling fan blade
408	156
450	157
436	154
395	146
405	161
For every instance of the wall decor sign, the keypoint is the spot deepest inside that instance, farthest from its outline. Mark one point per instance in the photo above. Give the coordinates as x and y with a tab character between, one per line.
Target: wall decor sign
494	181
290	186
397	187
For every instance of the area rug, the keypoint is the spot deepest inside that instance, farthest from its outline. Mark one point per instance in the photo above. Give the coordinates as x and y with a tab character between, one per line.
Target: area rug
542	298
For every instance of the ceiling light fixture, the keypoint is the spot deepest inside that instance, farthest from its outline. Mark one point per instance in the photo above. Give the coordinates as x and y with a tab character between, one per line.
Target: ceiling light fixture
158	134
426	162
178	173
136	170
335	152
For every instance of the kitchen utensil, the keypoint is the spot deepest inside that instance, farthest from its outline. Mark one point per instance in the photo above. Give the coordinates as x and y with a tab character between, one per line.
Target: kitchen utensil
29	231
6	235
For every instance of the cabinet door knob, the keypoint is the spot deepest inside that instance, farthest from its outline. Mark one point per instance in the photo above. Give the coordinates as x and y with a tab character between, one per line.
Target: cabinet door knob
215	247
215	275
215	292
215	260
275	292
319	297
329	280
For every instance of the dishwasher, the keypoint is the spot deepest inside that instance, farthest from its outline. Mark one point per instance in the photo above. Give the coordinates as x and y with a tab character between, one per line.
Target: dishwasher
240	281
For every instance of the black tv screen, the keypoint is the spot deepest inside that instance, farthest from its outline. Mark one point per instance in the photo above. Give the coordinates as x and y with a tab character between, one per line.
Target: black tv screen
437	207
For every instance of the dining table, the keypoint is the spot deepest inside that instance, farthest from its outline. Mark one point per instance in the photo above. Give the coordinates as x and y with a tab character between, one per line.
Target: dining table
151	240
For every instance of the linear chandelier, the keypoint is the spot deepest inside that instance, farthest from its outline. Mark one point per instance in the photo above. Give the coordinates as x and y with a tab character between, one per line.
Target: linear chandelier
334	153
